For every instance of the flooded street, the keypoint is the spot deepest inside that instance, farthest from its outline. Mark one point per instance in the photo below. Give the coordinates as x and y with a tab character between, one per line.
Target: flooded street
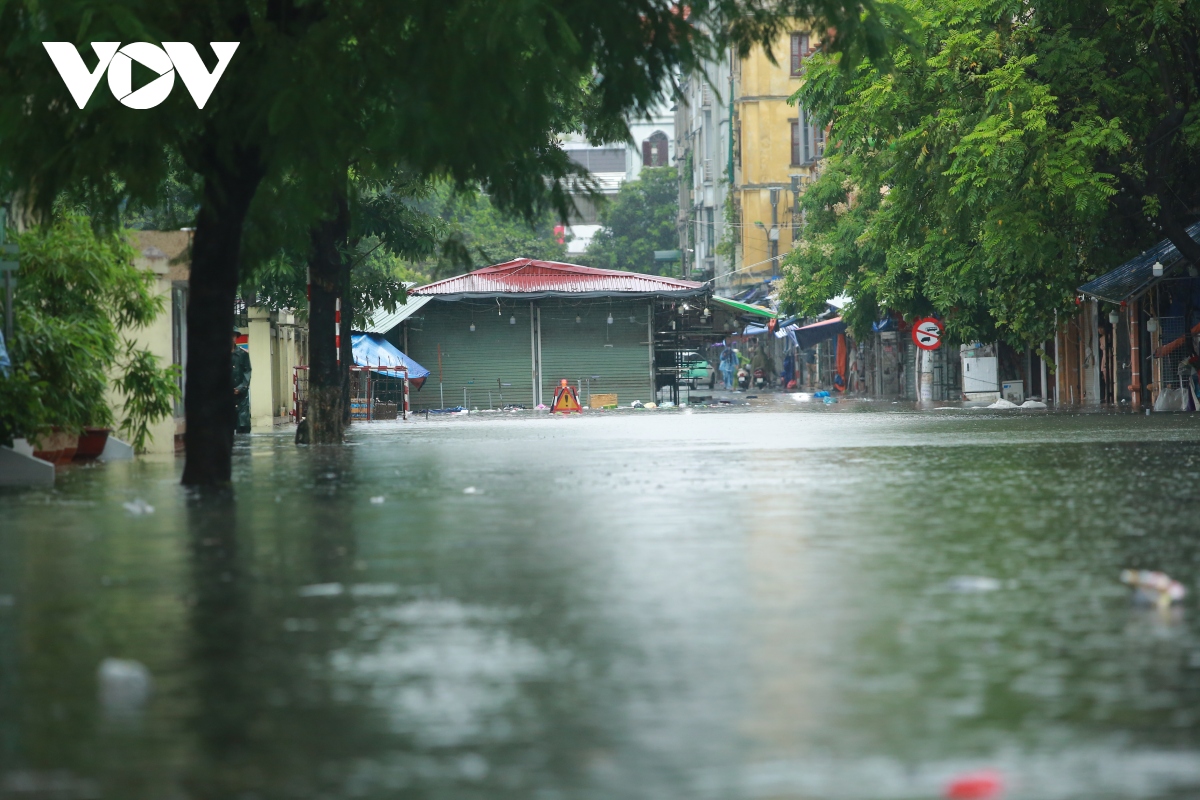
853	602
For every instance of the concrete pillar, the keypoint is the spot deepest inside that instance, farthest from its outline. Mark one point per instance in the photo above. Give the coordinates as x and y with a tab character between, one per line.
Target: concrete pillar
925	375
261	415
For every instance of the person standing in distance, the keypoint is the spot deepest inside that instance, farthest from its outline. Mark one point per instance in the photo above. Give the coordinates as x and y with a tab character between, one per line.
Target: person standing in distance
241	386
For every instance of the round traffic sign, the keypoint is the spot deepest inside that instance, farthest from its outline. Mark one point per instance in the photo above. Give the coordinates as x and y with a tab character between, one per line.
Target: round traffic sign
927	333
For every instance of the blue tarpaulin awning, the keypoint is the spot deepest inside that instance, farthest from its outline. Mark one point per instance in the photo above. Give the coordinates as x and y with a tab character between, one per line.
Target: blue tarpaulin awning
372	350
810	335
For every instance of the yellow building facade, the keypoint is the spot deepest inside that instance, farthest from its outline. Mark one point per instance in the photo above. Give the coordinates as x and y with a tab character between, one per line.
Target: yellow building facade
777	149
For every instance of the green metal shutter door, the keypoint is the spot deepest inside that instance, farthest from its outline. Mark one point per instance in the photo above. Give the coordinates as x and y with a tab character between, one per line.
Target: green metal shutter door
618	353
497	351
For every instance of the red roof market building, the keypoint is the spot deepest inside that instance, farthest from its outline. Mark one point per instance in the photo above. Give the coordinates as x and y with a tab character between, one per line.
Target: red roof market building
507	334
532	279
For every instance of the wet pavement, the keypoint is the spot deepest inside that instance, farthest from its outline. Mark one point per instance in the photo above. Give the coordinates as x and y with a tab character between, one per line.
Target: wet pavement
769	601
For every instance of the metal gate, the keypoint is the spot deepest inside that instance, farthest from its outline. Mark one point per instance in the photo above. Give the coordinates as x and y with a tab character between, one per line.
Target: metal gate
376	393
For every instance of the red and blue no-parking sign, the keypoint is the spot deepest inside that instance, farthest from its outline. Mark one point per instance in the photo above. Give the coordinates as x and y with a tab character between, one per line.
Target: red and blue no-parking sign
927	333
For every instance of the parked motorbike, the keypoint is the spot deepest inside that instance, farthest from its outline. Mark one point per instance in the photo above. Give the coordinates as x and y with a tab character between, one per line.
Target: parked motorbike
743	378
760	379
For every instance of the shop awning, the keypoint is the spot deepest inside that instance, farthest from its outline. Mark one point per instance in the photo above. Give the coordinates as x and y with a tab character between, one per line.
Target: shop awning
372	350
1135	276
810	335
381	320
745	308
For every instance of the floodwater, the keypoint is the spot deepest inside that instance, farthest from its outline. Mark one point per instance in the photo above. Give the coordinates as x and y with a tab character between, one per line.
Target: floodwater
844	602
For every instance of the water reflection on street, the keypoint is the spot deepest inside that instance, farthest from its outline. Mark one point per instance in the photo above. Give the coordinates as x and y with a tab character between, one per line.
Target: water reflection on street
718	604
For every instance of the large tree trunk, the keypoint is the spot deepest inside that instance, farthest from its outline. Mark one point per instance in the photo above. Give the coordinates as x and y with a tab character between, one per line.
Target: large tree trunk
326	422
229	186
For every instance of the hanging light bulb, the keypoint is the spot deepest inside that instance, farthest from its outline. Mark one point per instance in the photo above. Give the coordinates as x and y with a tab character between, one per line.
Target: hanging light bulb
512	320
1157	269
706	312
1152	324
632	319
472	327
610	318
577	319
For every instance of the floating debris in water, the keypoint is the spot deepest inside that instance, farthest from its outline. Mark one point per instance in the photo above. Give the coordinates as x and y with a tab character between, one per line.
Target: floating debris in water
471	490
980	785
377	500
124	686
321	590
138	507
374	590
972	584
1002	403
1153	588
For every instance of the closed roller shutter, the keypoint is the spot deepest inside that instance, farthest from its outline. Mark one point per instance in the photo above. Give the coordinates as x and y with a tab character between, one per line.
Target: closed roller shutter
619	353
497	357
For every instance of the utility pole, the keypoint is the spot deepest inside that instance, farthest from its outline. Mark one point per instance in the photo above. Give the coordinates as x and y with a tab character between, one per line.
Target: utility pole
8	268
773	234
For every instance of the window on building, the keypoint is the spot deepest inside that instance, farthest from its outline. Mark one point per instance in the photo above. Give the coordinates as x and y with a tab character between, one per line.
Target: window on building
599	159
800	51
812	138
654	150
795	142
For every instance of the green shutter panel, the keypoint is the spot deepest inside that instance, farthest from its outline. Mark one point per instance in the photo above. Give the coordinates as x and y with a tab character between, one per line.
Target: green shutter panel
497	357
618	353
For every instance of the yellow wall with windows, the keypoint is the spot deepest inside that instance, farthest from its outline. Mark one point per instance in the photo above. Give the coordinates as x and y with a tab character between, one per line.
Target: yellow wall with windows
763	153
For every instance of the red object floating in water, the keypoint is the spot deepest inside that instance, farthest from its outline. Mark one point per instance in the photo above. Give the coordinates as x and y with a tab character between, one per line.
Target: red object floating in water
980	785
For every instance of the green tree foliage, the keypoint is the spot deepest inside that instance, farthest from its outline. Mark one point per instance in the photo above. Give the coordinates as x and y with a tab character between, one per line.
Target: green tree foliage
391	229
478	233
77	292
1012	152
642	218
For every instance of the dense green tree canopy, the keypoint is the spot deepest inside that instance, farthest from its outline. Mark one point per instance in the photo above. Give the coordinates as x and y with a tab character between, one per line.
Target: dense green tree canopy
1013	152
642	218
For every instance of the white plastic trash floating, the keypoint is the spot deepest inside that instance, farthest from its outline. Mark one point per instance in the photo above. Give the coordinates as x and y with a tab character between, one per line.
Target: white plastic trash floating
971	584
124	686
138	507
1002	403
470	490
1032	404
1153	588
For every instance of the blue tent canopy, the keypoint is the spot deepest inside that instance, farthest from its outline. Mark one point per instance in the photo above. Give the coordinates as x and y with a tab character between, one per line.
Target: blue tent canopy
372	350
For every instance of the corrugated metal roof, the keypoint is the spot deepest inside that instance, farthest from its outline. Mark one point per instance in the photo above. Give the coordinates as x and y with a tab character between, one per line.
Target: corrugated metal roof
382	321
532	279
1136	275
